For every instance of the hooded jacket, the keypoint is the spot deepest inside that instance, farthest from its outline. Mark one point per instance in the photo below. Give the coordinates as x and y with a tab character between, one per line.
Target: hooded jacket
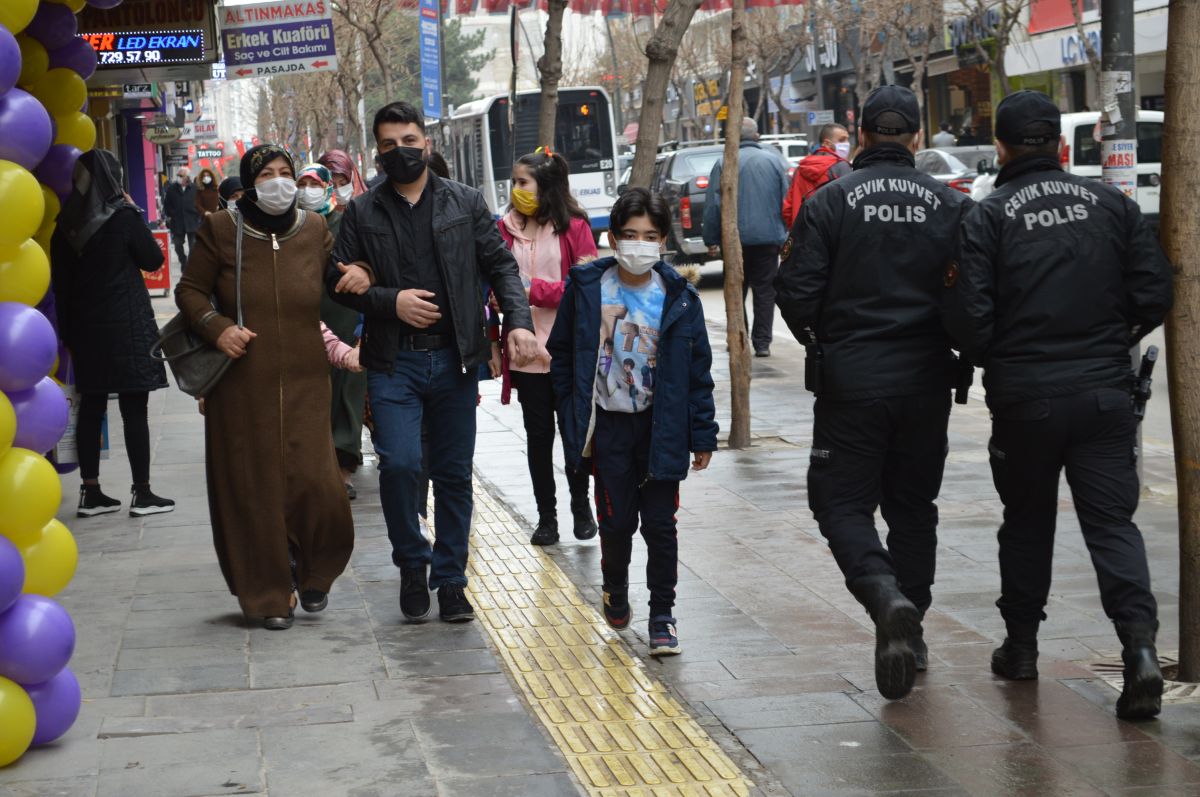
813	171
1057	277
684	415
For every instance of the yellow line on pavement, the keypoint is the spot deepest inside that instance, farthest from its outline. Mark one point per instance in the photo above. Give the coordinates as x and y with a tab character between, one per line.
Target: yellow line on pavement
622	732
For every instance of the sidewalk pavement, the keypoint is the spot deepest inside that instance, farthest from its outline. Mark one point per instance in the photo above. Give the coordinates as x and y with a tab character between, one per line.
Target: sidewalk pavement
182	699
779	654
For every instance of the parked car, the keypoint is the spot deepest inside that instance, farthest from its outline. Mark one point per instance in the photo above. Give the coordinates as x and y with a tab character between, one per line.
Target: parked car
1081	154
794	147
681	177
954	166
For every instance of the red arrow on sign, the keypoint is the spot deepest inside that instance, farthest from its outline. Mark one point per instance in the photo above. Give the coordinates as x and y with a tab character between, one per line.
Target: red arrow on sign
244	72
319	64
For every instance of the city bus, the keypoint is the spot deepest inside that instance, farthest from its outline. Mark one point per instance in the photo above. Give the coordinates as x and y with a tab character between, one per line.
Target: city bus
479	146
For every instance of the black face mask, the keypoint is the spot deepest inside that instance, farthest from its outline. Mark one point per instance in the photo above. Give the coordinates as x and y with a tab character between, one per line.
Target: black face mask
403	165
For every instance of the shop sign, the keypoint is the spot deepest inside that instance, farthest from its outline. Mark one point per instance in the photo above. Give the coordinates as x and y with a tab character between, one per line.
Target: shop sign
824	51
279	38
1074	48
137	91
977	28
206	152
116	50
205	129
163	133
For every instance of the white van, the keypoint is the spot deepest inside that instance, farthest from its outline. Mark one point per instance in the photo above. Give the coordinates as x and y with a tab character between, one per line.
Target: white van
1082	153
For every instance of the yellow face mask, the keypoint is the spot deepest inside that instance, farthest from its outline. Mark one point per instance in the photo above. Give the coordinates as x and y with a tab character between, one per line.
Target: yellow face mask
526	202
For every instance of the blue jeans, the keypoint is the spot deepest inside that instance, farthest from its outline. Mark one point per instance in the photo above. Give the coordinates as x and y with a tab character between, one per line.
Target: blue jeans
430	384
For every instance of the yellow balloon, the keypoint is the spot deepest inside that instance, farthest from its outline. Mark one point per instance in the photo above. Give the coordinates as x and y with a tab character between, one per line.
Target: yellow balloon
18	719
50	559
8	424
61	90
15	15
53	207
30	493
77	130
24	273
34	60
21	204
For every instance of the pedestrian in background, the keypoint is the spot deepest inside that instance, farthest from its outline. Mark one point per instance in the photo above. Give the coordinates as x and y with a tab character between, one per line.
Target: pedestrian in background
829	162
183	219
861	289
944	137
548	233
208	196
636	431
762	186
280	517
1059	276
230	191
420	246
99	249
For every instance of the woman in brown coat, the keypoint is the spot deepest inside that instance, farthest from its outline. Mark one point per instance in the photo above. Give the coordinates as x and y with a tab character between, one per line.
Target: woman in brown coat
280	516
208	197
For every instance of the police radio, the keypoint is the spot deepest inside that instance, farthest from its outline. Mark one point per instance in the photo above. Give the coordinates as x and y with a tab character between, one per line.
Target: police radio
1142	378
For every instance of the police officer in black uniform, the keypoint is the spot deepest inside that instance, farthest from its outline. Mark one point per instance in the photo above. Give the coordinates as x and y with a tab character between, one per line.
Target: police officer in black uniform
861	287
1058	276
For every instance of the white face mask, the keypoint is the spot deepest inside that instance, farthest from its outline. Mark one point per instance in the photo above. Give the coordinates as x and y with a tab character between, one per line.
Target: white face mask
638	257
275	196
842	148
345	193
312	197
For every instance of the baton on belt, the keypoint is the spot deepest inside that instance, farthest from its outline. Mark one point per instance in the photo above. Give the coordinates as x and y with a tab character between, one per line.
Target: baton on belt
1142	379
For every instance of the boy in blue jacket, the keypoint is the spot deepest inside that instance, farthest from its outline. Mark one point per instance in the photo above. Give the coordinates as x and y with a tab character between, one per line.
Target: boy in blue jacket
638	422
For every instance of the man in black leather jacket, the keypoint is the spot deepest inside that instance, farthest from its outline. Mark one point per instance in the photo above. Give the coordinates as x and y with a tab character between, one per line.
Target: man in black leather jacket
411	256
861	287
1058	276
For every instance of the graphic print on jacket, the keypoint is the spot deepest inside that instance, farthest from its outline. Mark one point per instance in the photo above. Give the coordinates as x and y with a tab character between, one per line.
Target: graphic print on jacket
629	326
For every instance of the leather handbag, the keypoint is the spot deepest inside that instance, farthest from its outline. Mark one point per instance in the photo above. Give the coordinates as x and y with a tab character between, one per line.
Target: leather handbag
195	363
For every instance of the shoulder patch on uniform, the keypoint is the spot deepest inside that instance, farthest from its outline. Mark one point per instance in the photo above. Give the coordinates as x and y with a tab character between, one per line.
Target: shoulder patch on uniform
786	251
951	276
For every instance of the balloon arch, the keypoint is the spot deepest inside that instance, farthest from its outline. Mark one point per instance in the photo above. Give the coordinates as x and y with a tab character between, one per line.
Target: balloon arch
43	131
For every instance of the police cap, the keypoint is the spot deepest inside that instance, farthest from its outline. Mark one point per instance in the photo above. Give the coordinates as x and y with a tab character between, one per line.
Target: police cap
891	111
1028	118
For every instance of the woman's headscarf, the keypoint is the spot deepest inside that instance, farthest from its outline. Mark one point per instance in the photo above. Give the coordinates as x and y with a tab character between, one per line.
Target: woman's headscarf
253	162
316	171
229	186
96	195
338	162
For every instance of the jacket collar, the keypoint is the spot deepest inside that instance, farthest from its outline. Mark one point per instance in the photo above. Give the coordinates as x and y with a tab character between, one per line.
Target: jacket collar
1022	166
881	154
435	186
592	272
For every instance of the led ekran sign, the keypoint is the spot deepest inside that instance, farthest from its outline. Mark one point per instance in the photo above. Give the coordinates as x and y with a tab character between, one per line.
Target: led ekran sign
146	48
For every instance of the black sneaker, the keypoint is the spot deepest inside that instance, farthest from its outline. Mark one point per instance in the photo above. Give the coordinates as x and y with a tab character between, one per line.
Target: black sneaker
145	503
765	351
414	593
92	502
920	650
616	607
664	641
1016	660
546	533
585	524
453	606
313	600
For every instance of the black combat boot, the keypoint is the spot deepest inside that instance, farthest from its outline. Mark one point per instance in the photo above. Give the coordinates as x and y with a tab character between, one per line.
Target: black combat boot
920	649
897	621
1141	699
1017	658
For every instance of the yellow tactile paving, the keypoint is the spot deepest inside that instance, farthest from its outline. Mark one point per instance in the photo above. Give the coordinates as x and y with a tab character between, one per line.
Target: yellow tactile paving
623	734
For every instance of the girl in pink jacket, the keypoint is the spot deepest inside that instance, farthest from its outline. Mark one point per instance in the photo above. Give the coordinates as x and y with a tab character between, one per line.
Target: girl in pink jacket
548	233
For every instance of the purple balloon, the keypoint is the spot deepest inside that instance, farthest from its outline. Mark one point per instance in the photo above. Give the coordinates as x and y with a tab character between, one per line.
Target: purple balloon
12	574
105	4
53	25
27	347
57	169
26	130
76	55
41	416
56	704
10	60
37	639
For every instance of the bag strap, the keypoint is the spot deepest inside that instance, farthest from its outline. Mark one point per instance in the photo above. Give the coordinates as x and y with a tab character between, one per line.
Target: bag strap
237	268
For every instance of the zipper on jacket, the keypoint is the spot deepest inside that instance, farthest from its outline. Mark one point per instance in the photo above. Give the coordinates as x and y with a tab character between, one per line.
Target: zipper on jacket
279	344
274	242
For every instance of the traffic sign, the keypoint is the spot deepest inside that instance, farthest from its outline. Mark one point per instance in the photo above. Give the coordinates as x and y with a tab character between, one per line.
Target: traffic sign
278	38
820	118
431	58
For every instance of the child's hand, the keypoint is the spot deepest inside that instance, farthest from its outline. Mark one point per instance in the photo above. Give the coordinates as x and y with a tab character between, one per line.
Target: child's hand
350	362
701	460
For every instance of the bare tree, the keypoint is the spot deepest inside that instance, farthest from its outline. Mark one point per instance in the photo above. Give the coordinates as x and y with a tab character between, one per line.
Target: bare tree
999	22
916	25
550	69
1181	240
775	42
660	52
1089	49
866	23
731	241
370	18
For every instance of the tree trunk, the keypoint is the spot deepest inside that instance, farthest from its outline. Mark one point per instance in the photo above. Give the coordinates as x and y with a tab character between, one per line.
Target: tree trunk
1181	240
550	71
731	242
661	51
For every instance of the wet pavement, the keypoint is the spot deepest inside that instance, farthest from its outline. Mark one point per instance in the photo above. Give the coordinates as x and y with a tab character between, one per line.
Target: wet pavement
182	699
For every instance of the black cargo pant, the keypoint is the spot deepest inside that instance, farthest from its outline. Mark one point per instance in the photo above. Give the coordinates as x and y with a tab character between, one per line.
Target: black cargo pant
886	453
1092	435
760	264
535	392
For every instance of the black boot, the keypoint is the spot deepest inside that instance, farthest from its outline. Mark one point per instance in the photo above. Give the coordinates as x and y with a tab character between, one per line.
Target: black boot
546	532
585	524
897	621
1017	658
920	649
1141	699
